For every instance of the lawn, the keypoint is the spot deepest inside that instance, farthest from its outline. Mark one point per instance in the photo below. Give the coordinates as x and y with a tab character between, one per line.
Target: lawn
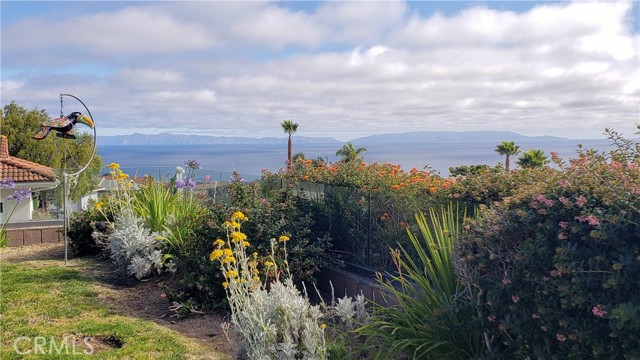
49	311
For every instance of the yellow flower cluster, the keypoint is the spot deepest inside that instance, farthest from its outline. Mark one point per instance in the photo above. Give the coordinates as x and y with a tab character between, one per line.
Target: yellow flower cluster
283	238
98	205
238	216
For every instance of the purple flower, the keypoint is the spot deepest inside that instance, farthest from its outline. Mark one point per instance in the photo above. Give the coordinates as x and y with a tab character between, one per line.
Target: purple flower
7	183
20	195
189	183
192	164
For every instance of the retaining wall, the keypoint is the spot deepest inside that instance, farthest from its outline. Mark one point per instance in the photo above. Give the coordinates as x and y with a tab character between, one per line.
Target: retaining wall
33	235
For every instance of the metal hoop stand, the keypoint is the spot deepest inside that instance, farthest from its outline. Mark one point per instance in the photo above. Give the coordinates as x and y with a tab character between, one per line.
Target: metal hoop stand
69	178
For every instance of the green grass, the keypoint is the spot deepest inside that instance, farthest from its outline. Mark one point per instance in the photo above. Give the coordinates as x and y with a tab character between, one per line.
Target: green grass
46	300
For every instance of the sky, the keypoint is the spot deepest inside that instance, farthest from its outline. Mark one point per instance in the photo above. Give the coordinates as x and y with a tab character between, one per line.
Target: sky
341	69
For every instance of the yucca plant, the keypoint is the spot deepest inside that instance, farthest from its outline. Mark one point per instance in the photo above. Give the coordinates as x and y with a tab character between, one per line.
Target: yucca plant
423	313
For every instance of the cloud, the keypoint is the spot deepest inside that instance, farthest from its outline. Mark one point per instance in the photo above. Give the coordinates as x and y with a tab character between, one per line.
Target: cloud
341	69
124	33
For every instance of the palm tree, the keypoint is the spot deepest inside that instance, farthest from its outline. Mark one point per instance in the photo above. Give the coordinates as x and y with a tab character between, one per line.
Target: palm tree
350	153
507	148
532	158
290	128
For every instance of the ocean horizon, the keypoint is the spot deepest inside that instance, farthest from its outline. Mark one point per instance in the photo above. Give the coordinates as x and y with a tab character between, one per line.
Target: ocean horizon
221	160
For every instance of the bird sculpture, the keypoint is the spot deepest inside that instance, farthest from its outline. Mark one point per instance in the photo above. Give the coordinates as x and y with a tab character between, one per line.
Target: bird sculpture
64	126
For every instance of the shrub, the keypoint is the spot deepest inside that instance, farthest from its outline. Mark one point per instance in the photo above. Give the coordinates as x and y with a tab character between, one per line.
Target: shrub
89	228
553	267
276	320
423	314
133	247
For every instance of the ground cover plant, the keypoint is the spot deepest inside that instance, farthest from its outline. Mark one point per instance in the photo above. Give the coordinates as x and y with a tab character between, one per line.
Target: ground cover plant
57	306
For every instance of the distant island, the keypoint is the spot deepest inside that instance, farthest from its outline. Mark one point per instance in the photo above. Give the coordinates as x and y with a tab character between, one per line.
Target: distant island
434	137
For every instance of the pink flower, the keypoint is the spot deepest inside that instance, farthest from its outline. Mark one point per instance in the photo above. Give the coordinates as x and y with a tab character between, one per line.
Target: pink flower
562	236
563	224
515	298
581	200
535	316
564	183
506	281
564	200
491	318
543	328
561	337
593	220
163	295
598	311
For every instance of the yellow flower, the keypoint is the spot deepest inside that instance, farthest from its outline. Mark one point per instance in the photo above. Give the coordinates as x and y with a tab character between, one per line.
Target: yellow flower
113	166
256	279
227	252
234	225
218	242
238	237
229	259
268	263
246	244
283	238
323	326
232	274
238	216
255	254
225	284
216	254
98	205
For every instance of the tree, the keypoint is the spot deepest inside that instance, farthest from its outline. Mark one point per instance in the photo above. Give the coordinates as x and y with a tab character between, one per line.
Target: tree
507	148
19	125
533	158
290	128
349	153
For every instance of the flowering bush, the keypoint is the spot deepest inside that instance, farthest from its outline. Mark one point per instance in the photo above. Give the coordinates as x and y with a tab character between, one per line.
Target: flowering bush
553	267
367	206
276	320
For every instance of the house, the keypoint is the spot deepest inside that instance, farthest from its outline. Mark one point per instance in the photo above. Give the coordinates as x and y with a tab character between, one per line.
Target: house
26	175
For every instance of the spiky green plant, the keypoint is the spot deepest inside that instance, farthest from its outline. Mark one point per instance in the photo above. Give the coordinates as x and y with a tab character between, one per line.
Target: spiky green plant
423	313
154	202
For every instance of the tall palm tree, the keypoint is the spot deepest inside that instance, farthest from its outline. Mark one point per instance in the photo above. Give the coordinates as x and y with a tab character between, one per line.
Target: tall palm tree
532	158
507	148
350	153
290	128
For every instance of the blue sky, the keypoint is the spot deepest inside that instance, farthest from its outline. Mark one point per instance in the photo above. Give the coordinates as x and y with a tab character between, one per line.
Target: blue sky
341	69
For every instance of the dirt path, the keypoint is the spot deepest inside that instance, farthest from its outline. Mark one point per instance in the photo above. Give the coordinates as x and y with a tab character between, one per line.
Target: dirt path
127	296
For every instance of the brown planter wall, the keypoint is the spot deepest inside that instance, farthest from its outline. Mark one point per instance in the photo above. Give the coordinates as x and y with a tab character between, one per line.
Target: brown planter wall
33	236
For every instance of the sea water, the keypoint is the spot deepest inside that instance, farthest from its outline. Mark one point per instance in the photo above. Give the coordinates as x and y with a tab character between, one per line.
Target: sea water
220	161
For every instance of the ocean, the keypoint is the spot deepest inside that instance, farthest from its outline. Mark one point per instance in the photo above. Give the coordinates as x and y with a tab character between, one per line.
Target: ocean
219	161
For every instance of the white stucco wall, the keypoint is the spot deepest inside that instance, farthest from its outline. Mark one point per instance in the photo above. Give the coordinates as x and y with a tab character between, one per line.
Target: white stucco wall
22	212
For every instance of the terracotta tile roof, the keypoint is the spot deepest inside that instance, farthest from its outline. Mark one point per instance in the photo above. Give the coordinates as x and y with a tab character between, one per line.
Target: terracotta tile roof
22	170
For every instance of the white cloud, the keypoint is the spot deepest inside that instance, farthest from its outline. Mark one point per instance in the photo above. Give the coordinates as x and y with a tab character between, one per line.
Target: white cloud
276	27
569	69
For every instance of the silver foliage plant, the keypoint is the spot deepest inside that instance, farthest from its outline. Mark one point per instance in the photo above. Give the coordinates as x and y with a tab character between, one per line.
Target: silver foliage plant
133	247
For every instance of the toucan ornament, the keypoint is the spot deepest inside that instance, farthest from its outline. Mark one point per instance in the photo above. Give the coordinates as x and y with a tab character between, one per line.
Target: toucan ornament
64	126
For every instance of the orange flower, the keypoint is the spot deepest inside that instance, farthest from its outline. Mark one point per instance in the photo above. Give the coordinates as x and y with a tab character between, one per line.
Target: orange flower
432	190
395	187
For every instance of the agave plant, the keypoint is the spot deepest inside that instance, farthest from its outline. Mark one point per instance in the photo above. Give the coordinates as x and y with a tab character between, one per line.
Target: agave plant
423	313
